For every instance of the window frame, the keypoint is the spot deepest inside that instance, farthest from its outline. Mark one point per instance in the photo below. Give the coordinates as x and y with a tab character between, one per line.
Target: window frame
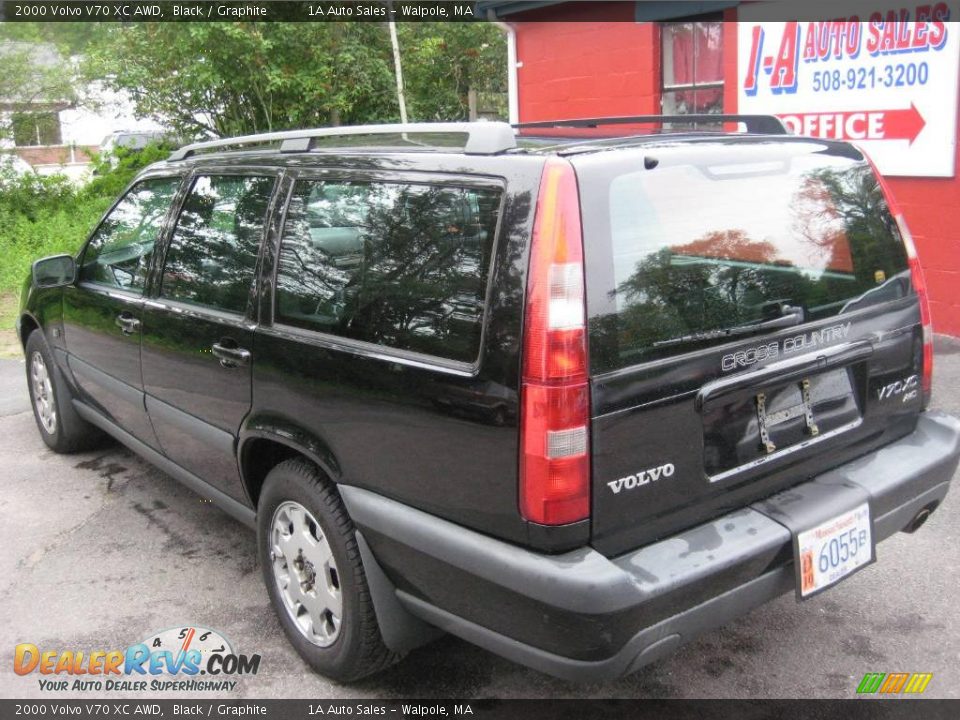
251	313
160	244
694	85
362	347
34	117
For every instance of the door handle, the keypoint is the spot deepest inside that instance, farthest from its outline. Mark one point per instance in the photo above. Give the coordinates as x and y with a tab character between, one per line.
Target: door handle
230	357
127	323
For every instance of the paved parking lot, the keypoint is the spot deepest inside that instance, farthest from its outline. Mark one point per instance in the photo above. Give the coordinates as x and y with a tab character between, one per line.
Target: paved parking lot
100	550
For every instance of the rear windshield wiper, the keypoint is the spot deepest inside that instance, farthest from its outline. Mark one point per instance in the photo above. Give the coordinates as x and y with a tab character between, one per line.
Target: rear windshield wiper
788	320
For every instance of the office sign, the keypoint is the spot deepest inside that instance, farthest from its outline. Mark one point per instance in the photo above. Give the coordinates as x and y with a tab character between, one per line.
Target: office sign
886	80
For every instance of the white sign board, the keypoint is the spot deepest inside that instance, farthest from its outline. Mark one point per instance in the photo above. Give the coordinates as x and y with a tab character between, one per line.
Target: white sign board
886	80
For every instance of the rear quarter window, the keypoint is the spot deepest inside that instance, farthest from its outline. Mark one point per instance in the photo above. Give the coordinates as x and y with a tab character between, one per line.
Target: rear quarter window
402	265
725	235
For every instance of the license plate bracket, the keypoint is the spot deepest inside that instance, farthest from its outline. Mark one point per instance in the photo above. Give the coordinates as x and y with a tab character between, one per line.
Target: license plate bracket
767	419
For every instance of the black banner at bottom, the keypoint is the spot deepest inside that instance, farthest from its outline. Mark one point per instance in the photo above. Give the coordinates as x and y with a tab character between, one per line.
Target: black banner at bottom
112	709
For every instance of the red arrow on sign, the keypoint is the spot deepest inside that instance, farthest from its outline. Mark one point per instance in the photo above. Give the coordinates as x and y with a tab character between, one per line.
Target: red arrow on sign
905	124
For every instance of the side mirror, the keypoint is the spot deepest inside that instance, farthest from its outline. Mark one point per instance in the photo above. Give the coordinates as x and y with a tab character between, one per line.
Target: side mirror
54	271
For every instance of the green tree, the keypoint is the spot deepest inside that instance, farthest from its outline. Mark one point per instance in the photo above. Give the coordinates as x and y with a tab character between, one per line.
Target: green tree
35	78
223	79
70	38
442	62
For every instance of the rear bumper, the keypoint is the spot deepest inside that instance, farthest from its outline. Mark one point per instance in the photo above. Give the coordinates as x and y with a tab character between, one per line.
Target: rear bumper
580	615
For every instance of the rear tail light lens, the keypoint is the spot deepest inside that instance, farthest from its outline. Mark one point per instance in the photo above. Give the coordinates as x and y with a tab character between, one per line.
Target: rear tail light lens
919	285
555	398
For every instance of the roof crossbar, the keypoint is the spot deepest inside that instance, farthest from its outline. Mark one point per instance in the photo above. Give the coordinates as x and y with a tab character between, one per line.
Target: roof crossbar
482	138
755	124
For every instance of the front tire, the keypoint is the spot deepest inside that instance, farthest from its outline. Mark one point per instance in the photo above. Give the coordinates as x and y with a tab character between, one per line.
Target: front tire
61	428
314	575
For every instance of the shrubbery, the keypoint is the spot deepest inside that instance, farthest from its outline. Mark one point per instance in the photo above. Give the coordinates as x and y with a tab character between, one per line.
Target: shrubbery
47	215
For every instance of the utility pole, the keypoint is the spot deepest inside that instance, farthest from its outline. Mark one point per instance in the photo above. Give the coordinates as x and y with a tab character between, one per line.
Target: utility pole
398	71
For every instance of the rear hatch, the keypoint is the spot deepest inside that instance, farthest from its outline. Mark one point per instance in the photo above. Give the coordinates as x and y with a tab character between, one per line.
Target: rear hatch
752	323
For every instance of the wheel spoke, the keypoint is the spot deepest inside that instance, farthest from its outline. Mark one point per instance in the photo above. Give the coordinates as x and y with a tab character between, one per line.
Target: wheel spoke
287	544
330	596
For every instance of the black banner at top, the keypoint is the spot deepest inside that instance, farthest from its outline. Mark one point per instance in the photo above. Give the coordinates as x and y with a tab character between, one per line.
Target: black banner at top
461	10
227	10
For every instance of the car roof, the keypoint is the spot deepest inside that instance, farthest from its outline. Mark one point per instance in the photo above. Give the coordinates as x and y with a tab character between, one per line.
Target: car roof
445	144
468	138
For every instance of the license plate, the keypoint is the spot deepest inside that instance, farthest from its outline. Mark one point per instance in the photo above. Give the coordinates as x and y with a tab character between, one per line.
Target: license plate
834	549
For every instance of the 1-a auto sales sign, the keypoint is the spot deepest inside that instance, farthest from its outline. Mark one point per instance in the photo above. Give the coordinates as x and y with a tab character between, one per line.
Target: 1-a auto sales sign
886	80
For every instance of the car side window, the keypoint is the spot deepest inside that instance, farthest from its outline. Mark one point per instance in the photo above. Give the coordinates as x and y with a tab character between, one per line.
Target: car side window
118	254
213	251
401	265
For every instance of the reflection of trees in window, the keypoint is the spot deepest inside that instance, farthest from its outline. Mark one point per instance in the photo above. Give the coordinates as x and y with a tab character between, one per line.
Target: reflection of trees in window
399	265
213	251
844	213
119	252
726	278
717	281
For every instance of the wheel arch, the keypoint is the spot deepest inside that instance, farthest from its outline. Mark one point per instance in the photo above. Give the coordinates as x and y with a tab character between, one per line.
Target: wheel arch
266	442
26	324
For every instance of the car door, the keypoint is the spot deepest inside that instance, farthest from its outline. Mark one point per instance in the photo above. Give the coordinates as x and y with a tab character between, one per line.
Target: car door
198	324
102	311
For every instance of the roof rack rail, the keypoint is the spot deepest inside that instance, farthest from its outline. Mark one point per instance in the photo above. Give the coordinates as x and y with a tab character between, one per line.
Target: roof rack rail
483	138
756	124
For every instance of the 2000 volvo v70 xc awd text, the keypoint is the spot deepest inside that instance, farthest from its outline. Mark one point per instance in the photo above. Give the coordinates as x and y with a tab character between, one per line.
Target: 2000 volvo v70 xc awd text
574	399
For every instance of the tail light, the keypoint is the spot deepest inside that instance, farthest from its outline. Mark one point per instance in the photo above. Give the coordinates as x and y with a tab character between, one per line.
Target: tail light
554	396
919	285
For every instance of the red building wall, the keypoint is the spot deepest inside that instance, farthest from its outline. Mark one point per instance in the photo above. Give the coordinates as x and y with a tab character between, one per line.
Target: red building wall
583	69
602	68
931	207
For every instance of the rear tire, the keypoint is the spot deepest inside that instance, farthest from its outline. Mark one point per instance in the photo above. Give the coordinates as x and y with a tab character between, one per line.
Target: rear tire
314	575
61	428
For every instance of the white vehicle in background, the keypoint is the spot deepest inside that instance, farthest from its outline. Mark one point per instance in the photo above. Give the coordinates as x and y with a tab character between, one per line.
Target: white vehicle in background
134	139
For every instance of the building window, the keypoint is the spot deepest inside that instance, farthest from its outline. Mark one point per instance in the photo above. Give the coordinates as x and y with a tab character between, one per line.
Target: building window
692	68
31	129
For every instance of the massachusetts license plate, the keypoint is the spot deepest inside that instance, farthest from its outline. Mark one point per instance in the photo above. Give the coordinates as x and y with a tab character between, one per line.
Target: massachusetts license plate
834	549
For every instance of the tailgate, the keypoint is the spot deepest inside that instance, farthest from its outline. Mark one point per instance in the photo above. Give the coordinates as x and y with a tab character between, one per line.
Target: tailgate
752	324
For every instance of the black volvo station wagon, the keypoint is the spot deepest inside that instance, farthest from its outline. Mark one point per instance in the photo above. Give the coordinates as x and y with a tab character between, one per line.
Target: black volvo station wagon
574	392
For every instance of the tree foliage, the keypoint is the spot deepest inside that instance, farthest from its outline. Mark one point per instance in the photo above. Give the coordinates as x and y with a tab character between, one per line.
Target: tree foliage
223	79
33	77
443	61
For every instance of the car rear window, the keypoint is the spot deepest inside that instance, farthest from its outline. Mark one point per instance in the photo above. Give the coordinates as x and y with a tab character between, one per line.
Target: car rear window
685	243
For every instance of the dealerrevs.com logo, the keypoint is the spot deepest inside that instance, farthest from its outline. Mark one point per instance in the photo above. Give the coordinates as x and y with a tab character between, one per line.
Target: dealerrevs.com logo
179	659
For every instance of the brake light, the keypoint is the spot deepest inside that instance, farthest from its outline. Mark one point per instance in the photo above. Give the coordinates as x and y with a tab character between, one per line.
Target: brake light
554	396
919	285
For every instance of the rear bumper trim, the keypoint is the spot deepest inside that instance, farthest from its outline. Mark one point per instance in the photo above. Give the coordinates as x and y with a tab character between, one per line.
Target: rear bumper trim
582	616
